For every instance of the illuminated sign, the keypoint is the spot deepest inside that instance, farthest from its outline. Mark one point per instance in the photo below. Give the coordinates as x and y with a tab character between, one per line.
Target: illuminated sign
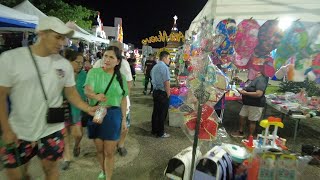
163	37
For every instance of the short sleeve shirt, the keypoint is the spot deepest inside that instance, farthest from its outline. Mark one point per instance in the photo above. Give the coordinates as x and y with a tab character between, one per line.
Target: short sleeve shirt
159	75
259	83
98	80
28	106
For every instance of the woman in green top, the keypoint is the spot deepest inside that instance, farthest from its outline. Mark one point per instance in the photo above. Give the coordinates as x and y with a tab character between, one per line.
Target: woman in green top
73	125
107	133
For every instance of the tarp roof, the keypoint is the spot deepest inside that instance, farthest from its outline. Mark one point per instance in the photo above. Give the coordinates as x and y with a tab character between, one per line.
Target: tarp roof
13	18
28	8
306	10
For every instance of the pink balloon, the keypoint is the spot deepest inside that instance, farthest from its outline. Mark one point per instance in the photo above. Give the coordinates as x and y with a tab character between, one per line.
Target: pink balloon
183	91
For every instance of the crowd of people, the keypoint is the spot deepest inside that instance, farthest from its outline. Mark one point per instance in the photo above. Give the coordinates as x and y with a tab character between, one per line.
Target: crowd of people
55	91
66	88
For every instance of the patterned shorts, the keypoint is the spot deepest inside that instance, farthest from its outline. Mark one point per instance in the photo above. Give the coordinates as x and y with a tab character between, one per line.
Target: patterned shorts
49	148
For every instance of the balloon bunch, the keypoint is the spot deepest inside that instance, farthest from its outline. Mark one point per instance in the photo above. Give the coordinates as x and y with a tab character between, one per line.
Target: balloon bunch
245	42
224	54
269	37
302	53
214	86
205	83
295	38
205	41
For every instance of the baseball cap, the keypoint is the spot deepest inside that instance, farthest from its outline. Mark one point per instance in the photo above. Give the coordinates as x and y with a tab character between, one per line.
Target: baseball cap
54	24
117	44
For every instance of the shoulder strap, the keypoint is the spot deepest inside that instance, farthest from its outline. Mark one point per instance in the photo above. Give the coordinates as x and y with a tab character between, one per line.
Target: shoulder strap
39	77
107	86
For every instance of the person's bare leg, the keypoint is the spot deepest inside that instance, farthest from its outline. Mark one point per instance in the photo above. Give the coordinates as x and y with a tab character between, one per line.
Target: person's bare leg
76	132
100	156
252	127
109	148
50	169
242	122
66	151
15	173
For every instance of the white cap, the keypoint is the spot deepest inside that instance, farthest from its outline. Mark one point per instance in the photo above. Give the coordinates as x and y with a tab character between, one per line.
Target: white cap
117	44
54	24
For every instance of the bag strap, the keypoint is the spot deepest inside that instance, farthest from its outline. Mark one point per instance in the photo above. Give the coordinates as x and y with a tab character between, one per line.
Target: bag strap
39	77
107	87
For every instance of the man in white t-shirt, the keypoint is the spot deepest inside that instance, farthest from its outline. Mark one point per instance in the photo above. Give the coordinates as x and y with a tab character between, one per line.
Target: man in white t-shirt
126	71
26	130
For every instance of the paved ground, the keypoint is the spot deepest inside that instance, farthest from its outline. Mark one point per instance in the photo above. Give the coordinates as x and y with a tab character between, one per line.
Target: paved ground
148	155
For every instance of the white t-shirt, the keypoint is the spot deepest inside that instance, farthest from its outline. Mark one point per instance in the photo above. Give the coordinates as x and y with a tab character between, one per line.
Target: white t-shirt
124	69
28	105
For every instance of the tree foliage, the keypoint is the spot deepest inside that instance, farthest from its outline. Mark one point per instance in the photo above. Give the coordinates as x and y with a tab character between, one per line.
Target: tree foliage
295	87
58	8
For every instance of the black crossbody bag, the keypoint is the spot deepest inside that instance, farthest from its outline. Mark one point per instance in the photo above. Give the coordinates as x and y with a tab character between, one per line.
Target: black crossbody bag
53	115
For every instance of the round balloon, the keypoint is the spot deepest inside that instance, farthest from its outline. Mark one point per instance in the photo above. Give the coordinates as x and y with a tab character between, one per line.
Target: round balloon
183	91
174	91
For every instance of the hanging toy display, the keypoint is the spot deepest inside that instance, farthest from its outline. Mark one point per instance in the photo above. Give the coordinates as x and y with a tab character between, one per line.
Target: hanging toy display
245	42
225	52
303	64
269	37
295	39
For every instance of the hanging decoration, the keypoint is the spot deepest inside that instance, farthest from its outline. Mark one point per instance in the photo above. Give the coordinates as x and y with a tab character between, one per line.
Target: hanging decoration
269	37
224	54
245	42
295	39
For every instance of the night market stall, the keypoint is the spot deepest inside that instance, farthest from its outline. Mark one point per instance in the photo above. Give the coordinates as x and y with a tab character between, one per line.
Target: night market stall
264	45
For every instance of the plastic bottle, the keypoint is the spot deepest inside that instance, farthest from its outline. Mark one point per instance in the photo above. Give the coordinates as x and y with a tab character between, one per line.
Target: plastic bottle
234	87
100	113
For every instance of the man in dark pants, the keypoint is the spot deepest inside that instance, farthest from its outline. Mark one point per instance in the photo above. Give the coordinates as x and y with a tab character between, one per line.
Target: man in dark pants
149	64
160	76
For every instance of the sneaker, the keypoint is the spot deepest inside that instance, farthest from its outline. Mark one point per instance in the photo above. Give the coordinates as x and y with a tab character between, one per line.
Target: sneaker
122	151
65	165
76	151
237	134
165	135
145	92
102	175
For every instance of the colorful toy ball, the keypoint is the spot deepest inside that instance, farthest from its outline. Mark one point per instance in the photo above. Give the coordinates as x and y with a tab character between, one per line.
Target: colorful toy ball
183	91
174	91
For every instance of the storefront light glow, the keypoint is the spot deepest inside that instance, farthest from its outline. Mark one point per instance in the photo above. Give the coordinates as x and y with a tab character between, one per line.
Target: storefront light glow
285	22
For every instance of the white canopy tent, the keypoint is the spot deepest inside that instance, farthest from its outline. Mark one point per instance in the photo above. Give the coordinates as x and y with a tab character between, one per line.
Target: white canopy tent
29	8
306	11
83	34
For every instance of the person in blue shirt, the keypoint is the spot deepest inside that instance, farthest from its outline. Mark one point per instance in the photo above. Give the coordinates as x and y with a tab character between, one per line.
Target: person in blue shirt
160	76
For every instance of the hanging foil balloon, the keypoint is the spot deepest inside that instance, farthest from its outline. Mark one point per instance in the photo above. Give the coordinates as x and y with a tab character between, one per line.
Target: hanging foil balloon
245	42
269	37
227	28
295	39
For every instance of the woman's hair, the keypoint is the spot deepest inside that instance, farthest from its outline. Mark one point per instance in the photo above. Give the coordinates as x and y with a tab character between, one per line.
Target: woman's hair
99	55
71	54
117	52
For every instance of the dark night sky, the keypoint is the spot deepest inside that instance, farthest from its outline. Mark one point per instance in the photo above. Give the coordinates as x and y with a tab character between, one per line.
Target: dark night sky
144	18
